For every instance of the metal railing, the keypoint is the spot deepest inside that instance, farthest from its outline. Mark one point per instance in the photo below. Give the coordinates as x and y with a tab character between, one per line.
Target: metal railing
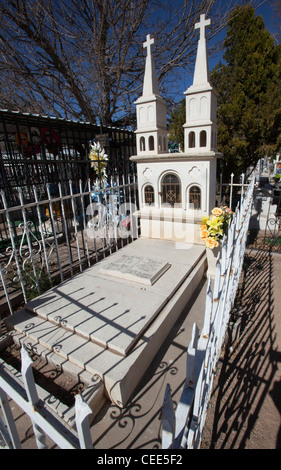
231	193
44	242
44	422
65	234
183	428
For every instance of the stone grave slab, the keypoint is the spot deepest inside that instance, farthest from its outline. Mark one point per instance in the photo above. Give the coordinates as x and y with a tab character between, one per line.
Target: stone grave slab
114	309
100	310
127	321
137	269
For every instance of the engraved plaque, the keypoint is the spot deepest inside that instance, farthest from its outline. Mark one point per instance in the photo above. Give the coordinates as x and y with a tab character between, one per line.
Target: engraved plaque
136	268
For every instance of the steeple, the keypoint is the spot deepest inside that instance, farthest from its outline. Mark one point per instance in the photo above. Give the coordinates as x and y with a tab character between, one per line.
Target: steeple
151	110
200	129
150	82
201	72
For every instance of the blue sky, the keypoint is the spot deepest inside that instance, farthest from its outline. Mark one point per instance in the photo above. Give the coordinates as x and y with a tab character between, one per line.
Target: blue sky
270	20
185	79
269	17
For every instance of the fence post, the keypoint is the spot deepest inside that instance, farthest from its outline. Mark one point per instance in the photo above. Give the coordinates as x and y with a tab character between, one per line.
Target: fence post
54	230
242	187
10	422
28	379
217	311
15	254
82	411
6	294
26	232
168	420
186	400
42	233
92	216
75	222
220	200
208	310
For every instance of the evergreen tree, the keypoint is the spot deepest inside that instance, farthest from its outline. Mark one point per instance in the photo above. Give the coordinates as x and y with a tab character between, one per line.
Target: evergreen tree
249	98
177	119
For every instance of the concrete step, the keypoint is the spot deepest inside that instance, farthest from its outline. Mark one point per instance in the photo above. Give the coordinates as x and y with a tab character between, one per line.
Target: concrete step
43	335
58	362
29	330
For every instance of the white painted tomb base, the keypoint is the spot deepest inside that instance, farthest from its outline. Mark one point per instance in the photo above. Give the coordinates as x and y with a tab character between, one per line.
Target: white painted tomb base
111	326
169	224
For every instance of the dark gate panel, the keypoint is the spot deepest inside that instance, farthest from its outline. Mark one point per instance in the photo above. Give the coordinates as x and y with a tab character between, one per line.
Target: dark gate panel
36	150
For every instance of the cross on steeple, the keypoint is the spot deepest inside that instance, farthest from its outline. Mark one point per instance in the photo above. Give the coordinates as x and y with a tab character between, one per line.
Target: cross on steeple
202	25
148	43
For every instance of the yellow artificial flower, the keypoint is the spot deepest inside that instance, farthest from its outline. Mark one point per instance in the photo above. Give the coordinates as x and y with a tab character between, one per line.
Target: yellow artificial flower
211	243
213	222
204	234
217	211
215	226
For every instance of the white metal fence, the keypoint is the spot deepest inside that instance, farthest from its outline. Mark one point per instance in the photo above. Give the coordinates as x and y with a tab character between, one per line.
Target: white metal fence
231	193
49	240
45	241
183	428
101	221
44	422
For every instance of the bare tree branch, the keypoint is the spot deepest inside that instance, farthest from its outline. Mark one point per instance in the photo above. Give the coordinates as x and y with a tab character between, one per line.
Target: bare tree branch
84	58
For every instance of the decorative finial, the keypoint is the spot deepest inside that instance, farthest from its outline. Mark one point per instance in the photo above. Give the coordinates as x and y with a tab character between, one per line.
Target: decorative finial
148	43
202	25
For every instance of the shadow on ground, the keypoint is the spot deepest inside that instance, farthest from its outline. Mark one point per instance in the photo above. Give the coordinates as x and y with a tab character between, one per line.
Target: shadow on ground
138	425
245	408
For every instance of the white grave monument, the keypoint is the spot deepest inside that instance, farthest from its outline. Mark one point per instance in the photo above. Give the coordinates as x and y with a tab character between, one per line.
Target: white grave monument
111	320
176	189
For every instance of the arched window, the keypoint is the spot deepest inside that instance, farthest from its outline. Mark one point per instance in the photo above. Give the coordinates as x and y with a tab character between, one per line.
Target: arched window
204	106
191	140
150	112
142	115
149	195
142	144
192	107
203	139
171	190
195	197
151	142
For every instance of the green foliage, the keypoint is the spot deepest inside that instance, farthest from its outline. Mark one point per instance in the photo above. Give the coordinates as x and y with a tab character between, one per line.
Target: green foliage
177	119
249	98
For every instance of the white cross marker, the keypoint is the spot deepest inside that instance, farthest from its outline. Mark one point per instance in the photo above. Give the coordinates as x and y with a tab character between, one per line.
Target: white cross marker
148	44
202	25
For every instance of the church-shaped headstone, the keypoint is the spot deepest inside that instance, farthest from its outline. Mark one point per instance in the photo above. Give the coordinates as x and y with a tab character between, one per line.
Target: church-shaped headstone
176	189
